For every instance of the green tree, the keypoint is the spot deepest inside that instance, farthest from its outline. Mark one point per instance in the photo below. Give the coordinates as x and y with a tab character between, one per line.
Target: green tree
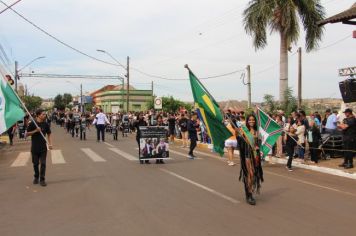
32	102
170	104
289	103
58	102
269	103
281	16
67	98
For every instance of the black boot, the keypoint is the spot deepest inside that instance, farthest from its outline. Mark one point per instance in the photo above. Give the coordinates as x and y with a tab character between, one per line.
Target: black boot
250	200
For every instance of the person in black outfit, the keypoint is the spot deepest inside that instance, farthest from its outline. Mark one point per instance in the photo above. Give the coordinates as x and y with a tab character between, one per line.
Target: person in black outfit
140	122
172	127
193	136
291	142
349	138
38	145
251	172
11	132
314	137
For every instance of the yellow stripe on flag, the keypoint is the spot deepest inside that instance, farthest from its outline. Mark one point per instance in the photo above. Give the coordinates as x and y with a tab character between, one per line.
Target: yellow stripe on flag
209	103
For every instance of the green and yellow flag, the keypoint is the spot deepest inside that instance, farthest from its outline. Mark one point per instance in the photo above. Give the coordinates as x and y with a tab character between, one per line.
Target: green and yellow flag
210	114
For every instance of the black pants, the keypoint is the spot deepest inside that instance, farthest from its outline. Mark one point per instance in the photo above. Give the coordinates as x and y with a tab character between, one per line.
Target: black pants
290	153
348	156
37	159
11	136
82	134
193	144
314	152
100	129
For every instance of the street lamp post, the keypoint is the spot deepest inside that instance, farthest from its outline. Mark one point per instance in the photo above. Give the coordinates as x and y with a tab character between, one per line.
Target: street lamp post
19	70
127	75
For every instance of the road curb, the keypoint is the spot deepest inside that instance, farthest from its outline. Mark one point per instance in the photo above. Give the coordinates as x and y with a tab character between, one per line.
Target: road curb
325	170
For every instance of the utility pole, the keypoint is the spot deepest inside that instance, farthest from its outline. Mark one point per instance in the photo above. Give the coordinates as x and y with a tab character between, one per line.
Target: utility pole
81	98
16	75
248	86
122	94
153	100
299	78
128	84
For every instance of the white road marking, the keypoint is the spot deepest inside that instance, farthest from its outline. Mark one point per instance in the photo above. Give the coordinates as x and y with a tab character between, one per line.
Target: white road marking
21	159
57	157
92	155
110	145
184	155
124	154
201	186
312	184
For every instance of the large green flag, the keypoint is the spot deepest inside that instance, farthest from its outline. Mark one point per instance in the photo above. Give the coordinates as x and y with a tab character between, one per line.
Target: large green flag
210	114
268	130
10	106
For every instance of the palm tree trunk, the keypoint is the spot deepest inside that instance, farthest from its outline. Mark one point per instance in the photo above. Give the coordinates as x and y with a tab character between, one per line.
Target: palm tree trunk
283	67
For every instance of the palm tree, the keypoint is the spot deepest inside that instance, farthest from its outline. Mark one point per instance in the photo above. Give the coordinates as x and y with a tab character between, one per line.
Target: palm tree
282	16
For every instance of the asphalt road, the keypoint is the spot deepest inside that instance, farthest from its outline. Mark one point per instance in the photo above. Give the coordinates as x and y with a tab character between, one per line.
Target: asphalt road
101	189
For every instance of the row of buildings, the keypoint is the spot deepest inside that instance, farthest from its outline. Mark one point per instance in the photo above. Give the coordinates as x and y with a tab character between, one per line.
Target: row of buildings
113	98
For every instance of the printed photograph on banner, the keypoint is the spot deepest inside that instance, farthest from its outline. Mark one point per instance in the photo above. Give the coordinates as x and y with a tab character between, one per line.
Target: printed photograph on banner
153	143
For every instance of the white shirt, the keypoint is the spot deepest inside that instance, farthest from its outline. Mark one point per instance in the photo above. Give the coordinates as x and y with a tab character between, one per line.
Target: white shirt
331	122
100	119
300	132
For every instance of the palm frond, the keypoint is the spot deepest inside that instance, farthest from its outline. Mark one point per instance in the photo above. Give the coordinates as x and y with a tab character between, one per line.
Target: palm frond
310	12
256	18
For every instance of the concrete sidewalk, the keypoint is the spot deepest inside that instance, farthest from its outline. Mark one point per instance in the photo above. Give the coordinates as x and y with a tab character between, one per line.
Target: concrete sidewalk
330	166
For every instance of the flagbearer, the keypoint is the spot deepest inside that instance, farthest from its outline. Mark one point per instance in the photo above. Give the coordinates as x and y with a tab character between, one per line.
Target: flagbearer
193	136
38	146
251	169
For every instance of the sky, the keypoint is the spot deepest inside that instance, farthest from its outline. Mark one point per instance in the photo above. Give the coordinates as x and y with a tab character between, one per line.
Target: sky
160	37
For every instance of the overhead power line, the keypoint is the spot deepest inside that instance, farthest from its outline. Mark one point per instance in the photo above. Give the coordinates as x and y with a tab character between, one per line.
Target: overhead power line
56	39
202	78
97	59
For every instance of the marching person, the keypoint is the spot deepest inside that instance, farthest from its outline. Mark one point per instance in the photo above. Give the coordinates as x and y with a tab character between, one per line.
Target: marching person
140	122
159	123
38	145
11	132
183	125
349	137
100	121
83	127
193	136
251	169
171	127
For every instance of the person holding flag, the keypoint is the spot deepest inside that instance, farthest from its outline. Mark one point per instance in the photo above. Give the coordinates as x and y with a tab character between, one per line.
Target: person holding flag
251	172
38	129
209	113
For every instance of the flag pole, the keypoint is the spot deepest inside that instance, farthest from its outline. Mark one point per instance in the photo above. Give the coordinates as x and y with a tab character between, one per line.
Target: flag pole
23	105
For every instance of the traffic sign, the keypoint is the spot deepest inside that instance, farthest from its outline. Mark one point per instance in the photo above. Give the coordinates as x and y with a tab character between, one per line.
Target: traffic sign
158	103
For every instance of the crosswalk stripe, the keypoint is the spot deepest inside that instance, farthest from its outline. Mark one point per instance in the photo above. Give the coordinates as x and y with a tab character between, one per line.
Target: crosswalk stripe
21	159
92	155
124	154
57	157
